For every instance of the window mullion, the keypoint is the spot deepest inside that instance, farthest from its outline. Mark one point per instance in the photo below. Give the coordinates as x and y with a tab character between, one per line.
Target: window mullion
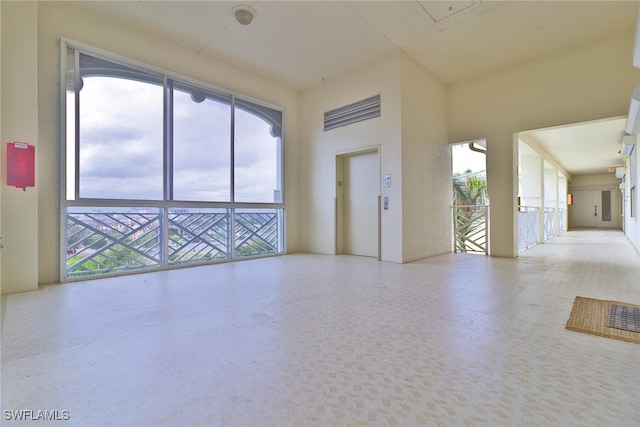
167	169
232	150
168	139
76	89
232	230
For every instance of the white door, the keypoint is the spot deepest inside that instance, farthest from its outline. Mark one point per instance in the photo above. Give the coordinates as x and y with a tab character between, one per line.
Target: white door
361	186
594	208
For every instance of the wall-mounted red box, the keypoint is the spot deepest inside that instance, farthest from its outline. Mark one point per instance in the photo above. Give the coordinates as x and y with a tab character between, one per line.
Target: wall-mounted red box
21	164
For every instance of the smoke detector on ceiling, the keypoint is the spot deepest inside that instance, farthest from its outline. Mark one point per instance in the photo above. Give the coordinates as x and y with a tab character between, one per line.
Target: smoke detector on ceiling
244	14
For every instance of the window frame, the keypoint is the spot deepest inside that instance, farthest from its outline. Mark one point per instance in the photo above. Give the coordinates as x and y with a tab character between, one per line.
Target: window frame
167	202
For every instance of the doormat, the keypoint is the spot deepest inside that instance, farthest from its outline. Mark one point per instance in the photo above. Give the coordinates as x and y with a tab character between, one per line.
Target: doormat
591	316
624	317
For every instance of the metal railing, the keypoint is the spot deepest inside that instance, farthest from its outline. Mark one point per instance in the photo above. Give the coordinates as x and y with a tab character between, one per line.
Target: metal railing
527	227
470	225
549	223
111	240
199	236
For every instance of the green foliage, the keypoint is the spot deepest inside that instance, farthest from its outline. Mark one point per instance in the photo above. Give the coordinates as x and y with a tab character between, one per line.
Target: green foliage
469	191
253	247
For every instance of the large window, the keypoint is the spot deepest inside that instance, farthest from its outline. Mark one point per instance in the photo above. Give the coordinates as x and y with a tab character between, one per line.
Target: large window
161	171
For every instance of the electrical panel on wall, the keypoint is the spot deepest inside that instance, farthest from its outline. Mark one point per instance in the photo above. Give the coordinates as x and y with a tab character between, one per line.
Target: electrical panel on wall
21	165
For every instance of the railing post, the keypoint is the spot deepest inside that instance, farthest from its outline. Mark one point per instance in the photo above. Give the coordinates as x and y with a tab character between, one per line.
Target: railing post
231	240
164	236
455	228
486	229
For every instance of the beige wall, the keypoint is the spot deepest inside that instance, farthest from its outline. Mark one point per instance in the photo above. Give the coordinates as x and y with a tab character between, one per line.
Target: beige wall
411	134
319	150
594	181
426	164
591	81
20	232
30	220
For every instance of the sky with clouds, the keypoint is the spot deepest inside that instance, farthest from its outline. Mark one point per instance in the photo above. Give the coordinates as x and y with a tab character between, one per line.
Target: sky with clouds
121	145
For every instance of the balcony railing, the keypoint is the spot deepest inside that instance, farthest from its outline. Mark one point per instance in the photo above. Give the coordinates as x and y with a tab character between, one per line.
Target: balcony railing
101	240
470	225
199	236
549	223
527	227
111	242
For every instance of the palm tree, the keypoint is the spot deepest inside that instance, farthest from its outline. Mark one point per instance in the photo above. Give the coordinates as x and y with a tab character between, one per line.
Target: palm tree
469	188
469	191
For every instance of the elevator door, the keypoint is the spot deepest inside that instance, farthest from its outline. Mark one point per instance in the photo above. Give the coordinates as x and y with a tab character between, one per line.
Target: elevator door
360	215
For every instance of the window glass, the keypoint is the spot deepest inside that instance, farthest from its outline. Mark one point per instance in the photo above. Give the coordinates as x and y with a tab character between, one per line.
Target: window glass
70	127
121	132
185	153
257	153
201	145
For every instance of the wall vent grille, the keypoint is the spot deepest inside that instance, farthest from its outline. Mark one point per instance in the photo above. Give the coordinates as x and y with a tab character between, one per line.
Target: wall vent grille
352	113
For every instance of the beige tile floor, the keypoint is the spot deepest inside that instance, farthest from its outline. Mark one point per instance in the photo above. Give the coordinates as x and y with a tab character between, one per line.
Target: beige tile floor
307	340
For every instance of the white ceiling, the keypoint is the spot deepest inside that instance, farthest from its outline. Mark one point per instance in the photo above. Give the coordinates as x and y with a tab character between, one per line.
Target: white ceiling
300	43
583	148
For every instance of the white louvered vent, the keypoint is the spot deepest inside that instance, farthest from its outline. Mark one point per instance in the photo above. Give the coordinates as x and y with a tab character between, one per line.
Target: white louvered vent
352	113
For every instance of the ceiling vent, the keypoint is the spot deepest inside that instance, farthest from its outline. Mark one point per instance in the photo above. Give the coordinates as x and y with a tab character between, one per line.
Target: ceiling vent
441	10
352	113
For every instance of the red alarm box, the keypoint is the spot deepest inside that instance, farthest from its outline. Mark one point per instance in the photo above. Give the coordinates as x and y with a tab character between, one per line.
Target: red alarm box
21	164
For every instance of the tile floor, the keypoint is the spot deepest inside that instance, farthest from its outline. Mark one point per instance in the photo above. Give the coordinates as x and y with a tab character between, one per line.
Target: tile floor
306	340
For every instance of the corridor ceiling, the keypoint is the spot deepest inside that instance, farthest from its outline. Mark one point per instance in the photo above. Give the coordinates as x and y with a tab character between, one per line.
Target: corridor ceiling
302	43
581	148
